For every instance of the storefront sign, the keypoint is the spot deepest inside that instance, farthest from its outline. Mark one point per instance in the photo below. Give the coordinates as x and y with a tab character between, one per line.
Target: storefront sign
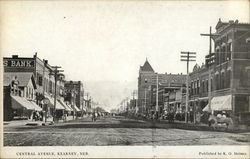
18	63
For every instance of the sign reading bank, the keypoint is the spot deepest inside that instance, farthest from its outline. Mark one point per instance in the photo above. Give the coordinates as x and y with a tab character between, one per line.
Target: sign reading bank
19	64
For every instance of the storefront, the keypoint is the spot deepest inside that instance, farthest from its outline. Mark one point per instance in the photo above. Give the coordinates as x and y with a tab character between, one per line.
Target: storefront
19	98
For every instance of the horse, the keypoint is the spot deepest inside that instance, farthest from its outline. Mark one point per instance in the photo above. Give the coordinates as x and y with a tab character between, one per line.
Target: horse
217	122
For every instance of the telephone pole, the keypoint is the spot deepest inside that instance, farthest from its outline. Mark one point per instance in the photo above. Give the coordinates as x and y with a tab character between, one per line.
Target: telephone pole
209	61
187	57
56	74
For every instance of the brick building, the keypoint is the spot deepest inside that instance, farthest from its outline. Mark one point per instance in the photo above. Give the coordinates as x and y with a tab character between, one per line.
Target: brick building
147	88
75	94
44	81
230	72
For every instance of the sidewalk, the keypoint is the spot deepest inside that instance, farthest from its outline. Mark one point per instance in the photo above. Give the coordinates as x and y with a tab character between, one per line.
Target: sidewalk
49	121
198	126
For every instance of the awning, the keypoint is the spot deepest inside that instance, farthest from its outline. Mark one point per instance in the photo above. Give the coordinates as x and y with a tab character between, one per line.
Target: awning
76	108
84	109
36	107
59	106
67	108
21	102
220	103
203	98
171	102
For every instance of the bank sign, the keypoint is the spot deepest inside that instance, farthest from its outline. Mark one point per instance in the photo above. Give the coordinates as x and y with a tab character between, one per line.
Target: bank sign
17	63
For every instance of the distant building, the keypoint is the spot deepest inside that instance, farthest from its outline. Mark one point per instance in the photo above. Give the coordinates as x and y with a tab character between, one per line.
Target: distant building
75	94
147	88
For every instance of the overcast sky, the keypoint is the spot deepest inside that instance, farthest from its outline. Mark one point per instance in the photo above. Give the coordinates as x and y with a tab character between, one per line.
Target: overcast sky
108	40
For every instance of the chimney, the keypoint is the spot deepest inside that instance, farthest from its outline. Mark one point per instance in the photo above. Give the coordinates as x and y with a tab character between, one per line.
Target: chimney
15	56
35	55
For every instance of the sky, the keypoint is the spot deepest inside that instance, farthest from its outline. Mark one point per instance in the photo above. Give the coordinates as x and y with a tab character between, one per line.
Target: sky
107	41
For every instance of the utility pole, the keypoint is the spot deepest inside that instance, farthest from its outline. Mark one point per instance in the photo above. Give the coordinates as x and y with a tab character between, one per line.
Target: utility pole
157	107
45	106
187	57
209	61
56	74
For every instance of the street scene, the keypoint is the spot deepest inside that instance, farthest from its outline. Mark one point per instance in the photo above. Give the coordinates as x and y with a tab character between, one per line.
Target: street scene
124	74
116	131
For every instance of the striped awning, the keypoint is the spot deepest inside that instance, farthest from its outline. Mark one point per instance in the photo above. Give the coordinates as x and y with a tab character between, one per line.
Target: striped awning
76	108
18	102
36	107
59	106
67	108
220	103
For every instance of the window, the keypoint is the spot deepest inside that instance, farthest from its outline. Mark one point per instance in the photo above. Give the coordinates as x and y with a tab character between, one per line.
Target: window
222	80
223	53
195	87
203	86
27	94
40	80
217	57
50	87
198	86
229	50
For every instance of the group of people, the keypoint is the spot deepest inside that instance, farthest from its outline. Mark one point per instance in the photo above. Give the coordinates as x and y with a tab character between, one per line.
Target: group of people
37	116
95	115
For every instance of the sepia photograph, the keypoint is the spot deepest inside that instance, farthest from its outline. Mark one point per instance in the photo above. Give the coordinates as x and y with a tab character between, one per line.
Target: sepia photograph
125	79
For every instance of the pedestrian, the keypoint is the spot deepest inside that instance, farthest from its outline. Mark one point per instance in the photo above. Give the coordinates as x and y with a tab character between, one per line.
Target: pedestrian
33	116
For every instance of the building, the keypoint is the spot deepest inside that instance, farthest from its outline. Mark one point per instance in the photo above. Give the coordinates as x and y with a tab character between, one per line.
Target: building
147	82
230	72
75	95
44	81
19	95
